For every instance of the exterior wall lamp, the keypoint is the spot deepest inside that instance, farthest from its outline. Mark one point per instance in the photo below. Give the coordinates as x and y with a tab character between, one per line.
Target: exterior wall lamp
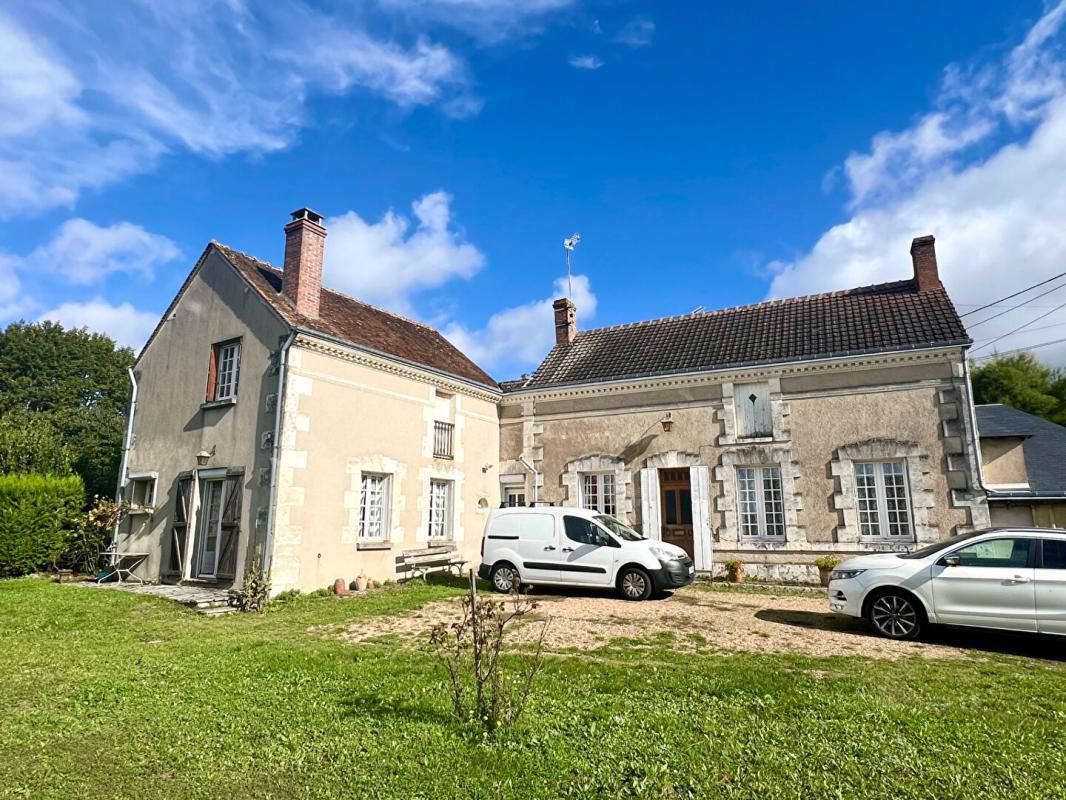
204	456
667	423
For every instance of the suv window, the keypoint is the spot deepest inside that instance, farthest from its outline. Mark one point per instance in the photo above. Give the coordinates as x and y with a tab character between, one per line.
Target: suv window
1054	554
583	531
995	553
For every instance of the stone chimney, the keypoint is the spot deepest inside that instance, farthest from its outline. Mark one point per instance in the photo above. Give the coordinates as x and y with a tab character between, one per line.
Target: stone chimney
565	320
305	246
923	254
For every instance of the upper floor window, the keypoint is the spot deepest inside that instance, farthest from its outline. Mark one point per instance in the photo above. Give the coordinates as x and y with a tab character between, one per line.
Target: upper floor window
598	492
884	506
444	425
224	370
752	404
762	508
140	491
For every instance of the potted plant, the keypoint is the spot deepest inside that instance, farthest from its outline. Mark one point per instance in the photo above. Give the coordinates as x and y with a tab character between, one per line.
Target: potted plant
826	564
734	570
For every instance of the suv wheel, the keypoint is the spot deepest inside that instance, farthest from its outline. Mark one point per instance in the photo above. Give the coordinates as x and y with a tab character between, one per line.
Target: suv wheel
896	616
635	584
504	578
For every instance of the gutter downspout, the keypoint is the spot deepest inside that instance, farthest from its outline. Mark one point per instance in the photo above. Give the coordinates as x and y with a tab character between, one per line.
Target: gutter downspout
268	542
127	445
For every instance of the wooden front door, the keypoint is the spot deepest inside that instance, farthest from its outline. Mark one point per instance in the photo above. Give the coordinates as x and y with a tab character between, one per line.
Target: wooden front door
675	491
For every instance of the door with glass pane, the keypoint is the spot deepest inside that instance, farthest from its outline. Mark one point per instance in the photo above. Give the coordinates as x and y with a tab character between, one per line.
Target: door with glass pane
675	492
213	495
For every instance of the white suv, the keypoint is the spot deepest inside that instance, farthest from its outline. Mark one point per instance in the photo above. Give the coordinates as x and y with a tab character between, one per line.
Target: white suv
1007	578
576	547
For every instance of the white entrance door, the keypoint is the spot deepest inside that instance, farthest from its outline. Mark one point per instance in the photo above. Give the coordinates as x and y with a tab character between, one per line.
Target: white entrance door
991	586
213	495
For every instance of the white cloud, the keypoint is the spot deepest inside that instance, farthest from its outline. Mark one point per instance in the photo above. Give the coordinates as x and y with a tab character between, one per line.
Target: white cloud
83	252
998	215
91	94
586	62
123	323
638	32
490	21
387	261
521	335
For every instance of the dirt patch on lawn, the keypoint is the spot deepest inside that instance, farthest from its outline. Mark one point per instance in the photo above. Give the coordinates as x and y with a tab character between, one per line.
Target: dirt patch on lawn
692	619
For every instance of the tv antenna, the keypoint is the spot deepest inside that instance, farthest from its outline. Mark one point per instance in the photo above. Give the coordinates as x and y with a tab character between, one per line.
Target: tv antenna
569	244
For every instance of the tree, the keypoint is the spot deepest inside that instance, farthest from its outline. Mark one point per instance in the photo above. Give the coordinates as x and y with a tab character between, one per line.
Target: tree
30	443
1023	382
77	381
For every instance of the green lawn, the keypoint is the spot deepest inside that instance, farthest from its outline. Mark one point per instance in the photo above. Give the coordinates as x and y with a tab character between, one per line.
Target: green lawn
105	694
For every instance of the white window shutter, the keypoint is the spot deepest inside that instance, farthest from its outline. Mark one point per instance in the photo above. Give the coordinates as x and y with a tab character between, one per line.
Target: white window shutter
649	503
753	415
701	516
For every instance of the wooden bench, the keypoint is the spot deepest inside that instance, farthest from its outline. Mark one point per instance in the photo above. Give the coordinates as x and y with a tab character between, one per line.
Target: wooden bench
419	563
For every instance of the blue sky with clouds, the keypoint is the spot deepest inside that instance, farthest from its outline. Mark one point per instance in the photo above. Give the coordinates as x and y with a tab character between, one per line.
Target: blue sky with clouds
710	154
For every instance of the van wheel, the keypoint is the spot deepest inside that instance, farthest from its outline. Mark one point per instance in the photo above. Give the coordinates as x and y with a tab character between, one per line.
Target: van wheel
635	584
504	578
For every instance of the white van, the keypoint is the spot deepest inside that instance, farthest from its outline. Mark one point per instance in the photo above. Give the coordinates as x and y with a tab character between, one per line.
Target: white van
576	547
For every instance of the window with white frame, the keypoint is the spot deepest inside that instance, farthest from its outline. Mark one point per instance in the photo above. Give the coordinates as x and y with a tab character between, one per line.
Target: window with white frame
440	509
225	370
140	492
761	505
374	506
598	492
883	500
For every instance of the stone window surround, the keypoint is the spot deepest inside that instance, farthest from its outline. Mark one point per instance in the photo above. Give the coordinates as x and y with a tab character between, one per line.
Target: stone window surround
919	471
379	465
574	470
759	455
441	472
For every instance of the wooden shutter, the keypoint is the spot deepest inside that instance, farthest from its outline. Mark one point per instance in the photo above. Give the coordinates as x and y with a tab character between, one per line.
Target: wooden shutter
649	503
180	527
700	478
231	526
753	415
212	373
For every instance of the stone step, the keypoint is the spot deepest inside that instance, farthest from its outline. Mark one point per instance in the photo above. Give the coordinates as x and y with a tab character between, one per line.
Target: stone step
214	611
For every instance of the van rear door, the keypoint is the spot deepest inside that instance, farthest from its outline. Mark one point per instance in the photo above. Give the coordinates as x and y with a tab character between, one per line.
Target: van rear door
534	540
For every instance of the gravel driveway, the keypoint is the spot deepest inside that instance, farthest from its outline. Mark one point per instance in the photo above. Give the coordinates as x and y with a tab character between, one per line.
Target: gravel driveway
693	619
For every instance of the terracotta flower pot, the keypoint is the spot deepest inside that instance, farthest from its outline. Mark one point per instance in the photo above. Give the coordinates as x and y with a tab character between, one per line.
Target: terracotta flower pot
735	576
823	574
339	587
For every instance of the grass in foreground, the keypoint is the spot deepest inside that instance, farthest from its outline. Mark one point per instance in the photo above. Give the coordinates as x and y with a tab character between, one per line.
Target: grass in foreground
106	694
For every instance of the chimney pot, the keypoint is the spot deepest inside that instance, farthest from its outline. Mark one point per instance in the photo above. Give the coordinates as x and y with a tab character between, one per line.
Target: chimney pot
305	246
565	320
923	255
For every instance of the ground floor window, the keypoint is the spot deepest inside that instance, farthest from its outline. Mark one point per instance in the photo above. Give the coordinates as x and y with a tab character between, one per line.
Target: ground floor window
598	492
762	509
514	497
884	507
440	509
374	506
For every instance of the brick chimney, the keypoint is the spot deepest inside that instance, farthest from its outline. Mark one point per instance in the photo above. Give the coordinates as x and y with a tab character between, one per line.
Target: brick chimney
305	245
923	254
565	320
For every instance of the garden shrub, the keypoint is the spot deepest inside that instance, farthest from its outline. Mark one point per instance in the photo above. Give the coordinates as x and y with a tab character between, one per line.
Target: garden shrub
36	516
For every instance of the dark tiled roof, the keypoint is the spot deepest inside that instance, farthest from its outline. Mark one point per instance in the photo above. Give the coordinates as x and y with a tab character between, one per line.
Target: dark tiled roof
351	320
1044	448
511	386
871	319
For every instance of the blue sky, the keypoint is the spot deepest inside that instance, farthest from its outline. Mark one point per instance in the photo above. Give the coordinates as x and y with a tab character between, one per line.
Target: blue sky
710	154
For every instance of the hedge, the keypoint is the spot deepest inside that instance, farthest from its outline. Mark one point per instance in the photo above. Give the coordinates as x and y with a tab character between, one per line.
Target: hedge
36	512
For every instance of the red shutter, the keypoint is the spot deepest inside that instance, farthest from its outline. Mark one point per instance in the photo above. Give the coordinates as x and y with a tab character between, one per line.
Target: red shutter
212	373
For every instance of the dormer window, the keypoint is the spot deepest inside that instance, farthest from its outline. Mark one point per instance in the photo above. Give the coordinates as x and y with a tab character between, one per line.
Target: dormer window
752	404
224	371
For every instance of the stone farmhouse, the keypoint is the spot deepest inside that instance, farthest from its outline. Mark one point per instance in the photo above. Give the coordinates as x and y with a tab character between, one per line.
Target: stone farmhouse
278	421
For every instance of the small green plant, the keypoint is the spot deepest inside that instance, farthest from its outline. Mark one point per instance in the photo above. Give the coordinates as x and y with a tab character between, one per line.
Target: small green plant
734	570
92	531
484	693
254	593
826	563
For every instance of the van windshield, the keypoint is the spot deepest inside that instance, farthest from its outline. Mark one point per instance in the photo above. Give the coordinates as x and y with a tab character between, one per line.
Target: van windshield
618	528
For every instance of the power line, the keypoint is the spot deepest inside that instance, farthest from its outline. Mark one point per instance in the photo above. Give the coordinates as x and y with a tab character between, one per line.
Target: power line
1023	303
1018	350
1031	330
1012	296
1021	327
